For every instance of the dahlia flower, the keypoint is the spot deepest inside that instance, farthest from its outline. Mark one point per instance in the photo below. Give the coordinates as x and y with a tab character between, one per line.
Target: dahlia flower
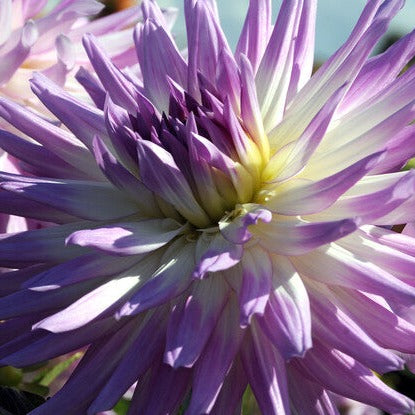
222	221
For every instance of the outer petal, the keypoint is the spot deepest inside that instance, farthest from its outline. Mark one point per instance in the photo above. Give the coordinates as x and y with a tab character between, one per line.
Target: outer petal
28	301
217	359
82	199
133	365
38	346
83	120
347	377
55	139
336	265
311	398
205	42
342	67
287	318
153	393
265	370
75	396
304	49
379	72
256	283
333	326
37	246
35	159
90	306
192	323
274	72
170	280
383	325
16	56
130	238
293	237
372	205
89	266
229	400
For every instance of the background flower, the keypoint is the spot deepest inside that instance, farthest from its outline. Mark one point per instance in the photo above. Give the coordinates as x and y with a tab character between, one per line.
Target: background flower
33	38
219	221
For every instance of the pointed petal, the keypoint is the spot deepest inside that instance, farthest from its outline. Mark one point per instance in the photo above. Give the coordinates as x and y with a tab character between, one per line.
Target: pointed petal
120	177
274	72
333	326
55	139
256	32
311	398
154	396
205	42
14	58
383	325
342	67
88	266
121	90
250	109
379	206
74	396
82	119
159	59
229	400
303	59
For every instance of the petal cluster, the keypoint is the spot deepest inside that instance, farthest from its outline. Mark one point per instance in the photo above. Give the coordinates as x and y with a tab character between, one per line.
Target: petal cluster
34	38
218	220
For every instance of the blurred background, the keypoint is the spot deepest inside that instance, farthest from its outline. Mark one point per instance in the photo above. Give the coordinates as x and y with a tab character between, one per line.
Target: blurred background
335	20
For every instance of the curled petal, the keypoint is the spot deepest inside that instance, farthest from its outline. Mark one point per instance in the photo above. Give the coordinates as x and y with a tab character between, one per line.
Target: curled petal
215	253
236	230
130	238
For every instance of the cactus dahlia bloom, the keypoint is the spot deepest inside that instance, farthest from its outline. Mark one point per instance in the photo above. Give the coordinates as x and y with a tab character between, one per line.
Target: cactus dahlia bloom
222	222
